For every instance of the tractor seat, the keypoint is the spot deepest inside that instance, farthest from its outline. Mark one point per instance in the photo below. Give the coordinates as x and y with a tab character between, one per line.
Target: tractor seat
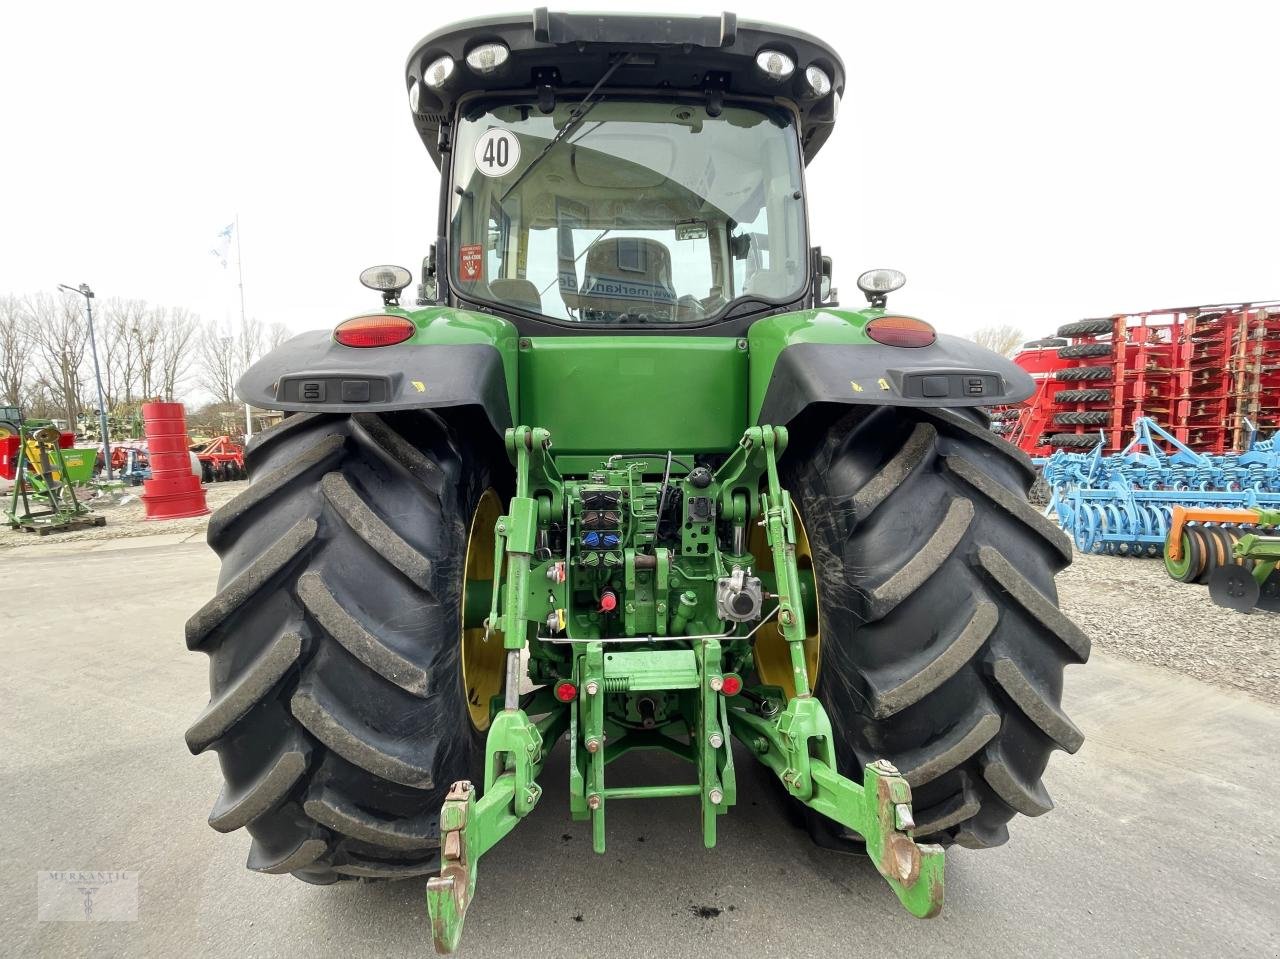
628	274
521	293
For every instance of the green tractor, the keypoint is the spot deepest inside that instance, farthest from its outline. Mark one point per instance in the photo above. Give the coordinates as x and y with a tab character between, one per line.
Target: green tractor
625	476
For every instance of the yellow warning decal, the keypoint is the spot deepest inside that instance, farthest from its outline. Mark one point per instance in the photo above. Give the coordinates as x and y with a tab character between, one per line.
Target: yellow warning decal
418	385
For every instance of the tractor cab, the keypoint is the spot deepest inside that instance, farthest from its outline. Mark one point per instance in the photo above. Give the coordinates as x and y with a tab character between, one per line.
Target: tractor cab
622	171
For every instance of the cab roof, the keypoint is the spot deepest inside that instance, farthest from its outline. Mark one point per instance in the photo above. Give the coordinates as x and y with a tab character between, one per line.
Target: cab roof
565	54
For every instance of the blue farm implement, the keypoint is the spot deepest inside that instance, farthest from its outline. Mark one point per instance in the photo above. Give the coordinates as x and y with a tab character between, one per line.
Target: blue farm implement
1123	503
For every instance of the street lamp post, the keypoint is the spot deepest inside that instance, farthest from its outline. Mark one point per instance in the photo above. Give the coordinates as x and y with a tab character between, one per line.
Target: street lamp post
83	290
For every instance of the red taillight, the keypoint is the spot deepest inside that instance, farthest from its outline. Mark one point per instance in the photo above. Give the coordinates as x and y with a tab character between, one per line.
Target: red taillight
732	685
566	692
901	331
381	330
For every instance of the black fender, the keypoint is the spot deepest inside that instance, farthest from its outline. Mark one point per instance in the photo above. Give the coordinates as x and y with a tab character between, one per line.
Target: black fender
312	373
952	372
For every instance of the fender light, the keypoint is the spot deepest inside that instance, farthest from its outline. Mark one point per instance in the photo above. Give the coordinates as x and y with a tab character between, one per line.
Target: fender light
380	330
901	331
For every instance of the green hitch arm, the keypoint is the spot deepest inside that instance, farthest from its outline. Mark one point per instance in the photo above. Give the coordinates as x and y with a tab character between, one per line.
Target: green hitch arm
470	827
878	809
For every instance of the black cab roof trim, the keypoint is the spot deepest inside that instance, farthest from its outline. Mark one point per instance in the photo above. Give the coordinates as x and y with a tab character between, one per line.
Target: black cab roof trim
567	53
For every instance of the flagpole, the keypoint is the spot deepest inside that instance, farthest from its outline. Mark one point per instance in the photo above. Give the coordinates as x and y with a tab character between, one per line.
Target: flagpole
244	325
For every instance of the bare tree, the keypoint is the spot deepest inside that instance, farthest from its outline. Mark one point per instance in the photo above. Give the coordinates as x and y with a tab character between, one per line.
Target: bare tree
219	363
39	402
277	333
57	327
1004	339
120	319
223	357
176	337
145	334
250	345
15	351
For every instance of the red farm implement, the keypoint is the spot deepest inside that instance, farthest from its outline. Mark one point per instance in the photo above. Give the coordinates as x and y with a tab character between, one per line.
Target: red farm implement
1211	374
221	459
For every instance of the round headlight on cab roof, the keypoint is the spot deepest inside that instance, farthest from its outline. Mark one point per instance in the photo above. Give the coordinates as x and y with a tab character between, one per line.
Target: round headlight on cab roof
437	72
415	95
819	82
775	64
487	57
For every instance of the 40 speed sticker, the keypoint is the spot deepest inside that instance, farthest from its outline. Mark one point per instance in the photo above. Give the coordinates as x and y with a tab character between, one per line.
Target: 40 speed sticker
497	152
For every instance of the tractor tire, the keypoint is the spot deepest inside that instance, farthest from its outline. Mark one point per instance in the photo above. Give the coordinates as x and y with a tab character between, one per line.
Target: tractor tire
1082	350
1085	441
1083	418
1048	342
1085	328
338	711
1084	373
942	647
1082	396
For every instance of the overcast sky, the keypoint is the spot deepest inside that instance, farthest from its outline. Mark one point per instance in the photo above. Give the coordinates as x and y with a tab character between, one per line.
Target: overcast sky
1027	163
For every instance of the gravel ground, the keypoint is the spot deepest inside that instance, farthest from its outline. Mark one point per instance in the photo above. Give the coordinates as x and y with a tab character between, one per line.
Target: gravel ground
125	519
1132	608
1129	607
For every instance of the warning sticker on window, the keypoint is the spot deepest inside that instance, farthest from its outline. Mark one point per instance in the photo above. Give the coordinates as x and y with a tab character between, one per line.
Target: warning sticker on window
471	262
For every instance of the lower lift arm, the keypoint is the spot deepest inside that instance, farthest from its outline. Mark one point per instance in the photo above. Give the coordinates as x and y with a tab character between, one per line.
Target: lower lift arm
794	740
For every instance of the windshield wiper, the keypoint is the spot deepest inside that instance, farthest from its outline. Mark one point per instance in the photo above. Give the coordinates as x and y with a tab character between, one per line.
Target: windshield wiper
578	114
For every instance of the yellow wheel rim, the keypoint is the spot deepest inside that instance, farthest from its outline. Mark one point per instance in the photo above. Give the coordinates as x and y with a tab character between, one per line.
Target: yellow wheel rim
483	663
773	658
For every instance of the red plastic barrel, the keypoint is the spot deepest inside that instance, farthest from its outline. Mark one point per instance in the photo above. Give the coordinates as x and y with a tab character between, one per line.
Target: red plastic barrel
172	443
174	491
9	456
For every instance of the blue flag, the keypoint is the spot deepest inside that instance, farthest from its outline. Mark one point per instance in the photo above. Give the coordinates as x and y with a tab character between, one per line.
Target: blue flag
223	247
